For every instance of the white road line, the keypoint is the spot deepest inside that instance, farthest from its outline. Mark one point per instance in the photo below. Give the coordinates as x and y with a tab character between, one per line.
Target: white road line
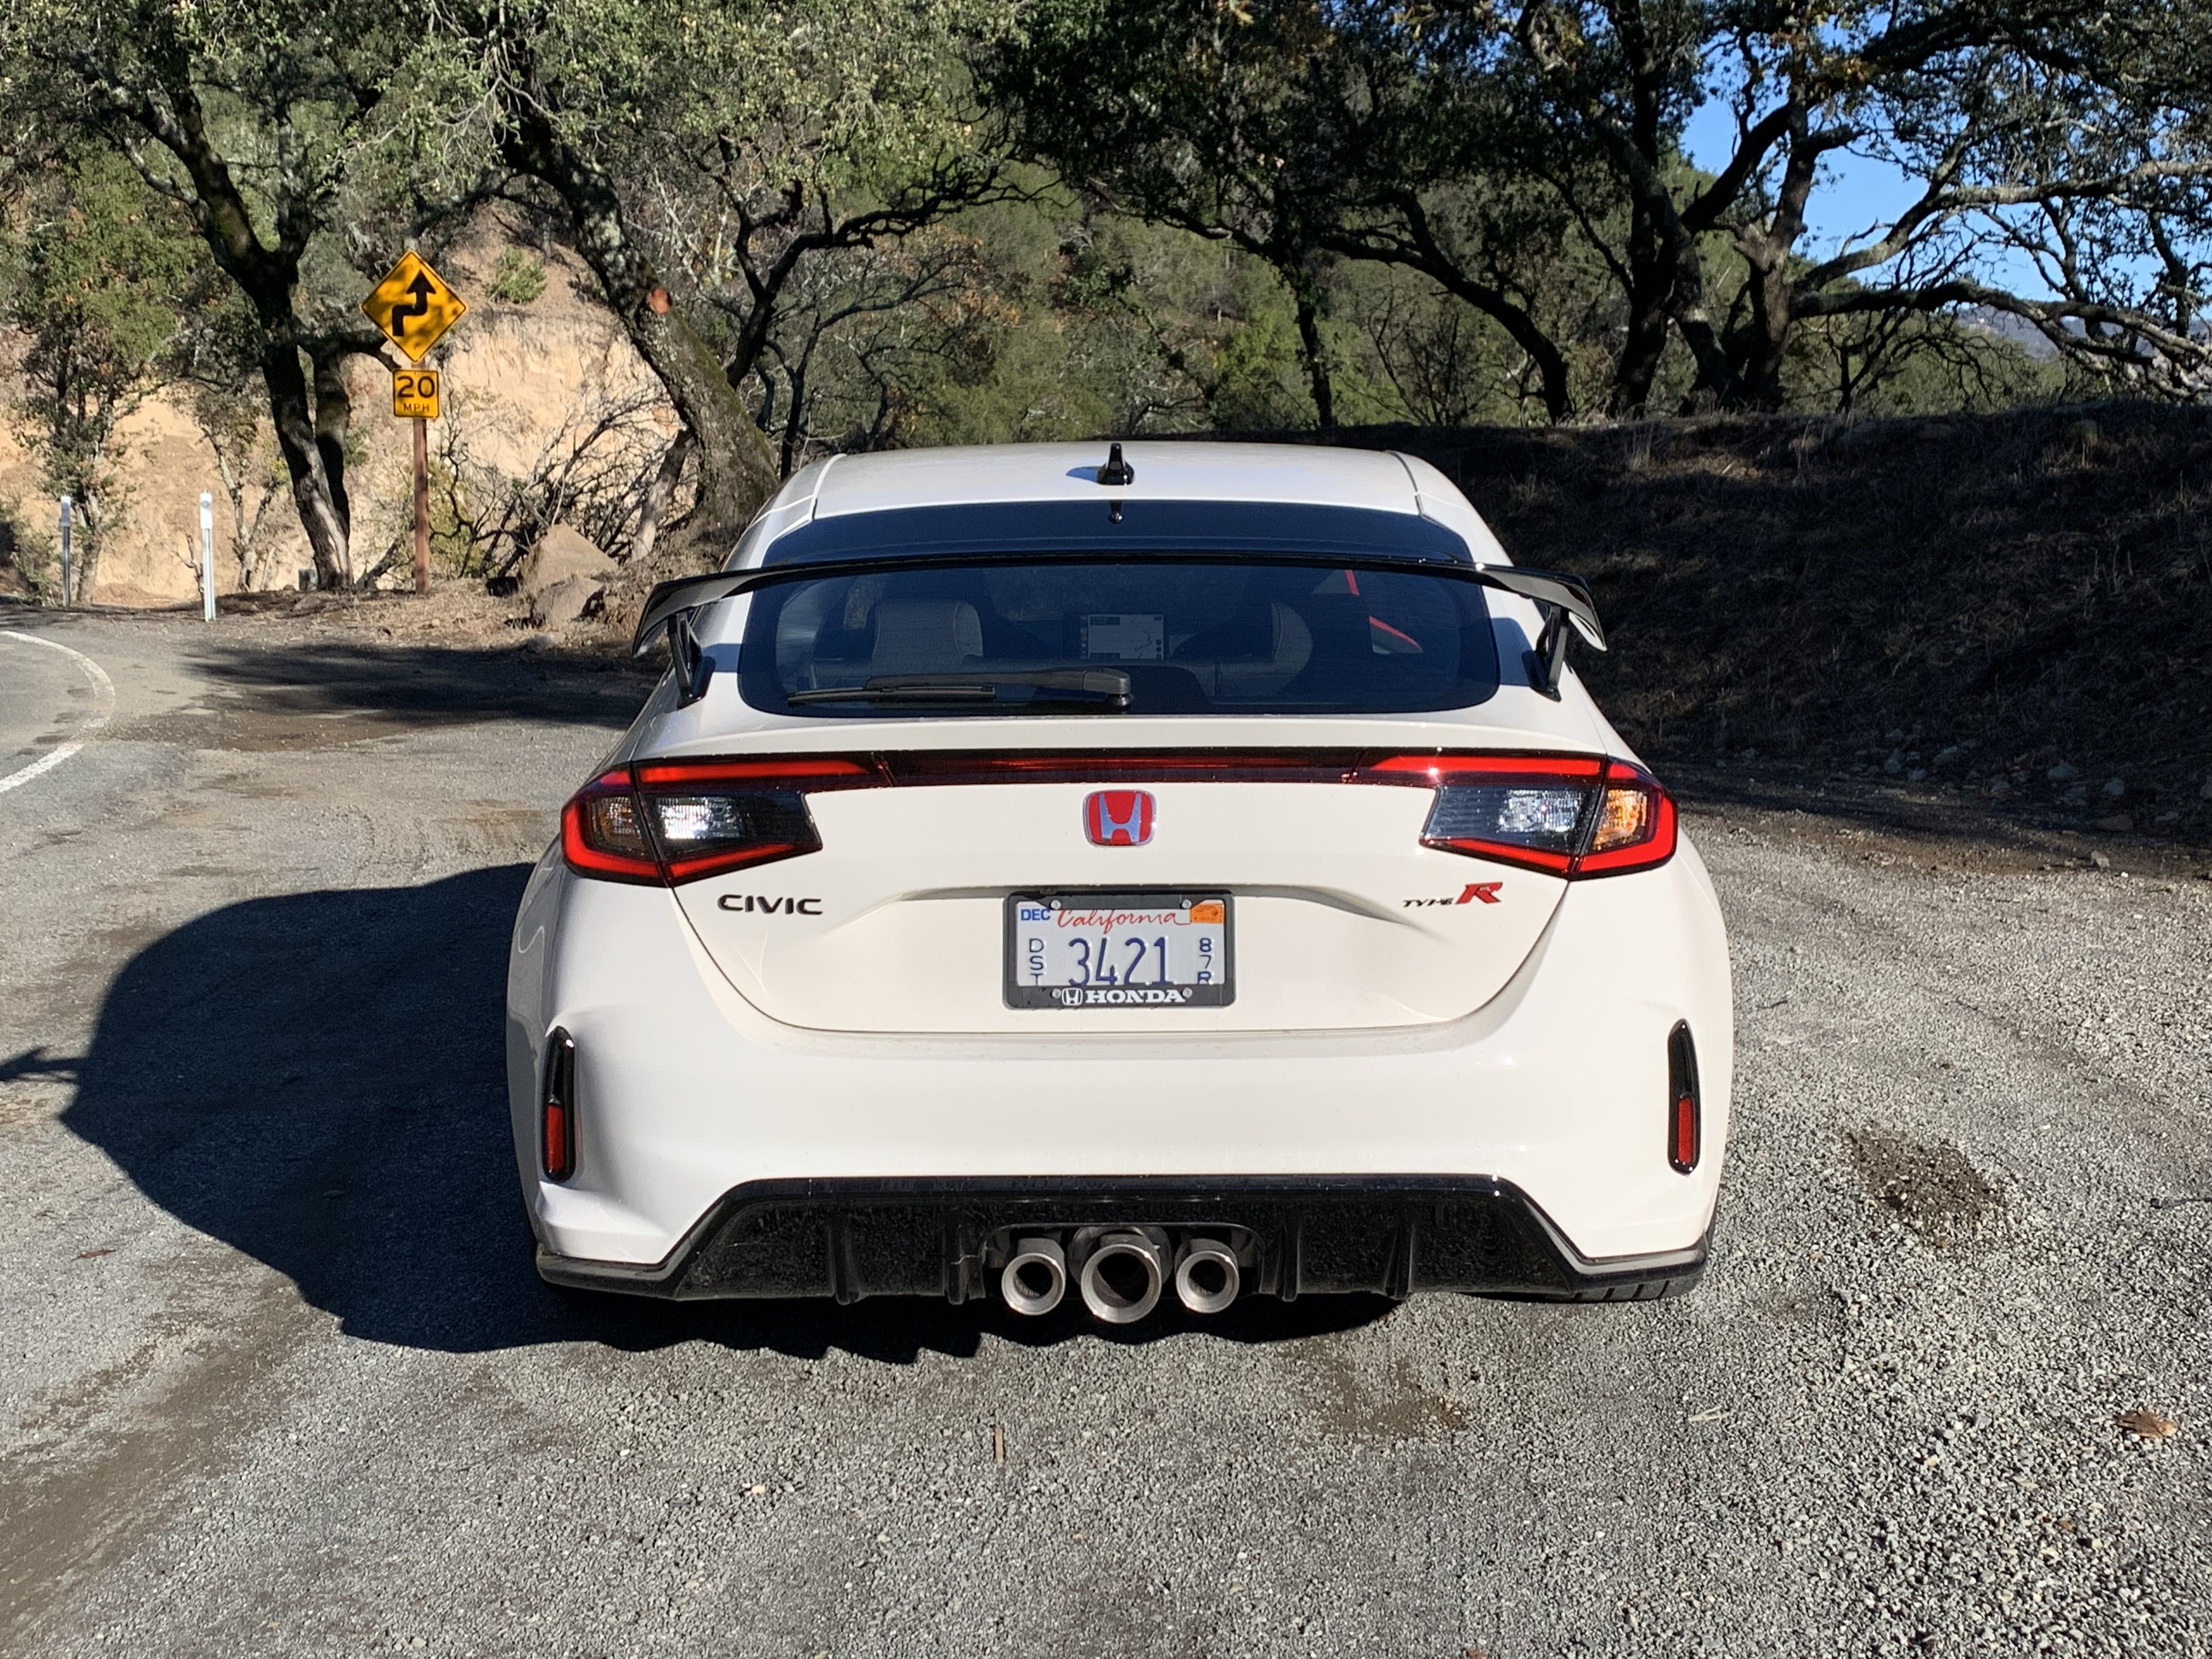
100	683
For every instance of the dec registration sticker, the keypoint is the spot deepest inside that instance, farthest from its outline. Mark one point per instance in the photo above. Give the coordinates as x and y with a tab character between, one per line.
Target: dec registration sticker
1146	950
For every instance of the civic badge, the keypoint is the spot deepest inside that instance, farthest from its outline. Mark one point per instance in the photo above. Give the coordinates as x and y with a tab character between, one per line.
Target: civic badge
1118	818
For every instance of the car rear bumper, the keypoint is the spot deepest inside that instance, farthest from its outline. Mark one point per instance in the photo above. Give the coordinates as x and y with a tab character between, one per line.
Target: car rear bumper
688	1094
1385	1235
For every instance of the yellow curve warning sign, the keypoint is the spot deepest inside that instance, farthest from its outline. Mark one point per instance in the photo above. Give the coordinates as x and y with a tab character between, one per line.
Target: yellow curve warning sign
413	306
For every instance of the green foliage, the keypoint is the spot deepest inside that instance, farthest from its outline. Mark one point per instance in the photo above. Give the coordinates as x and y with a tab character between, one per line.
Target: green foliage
30	550
517	277
94	270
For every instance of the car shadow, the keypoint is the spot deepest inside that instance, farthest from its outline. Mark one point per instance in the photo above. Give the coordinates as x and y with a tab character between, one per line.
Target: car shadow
316	1080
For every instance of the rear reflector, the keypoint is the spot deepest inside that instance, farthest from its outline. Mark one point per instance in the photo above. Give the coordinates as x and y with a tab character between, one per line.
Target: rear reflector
557	1118
1685	1125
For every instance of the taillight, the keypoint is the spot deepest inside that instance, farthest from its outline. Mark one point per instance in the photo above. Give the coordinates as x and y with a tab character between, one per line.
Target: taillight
1565	815
603	831
676	821
556	1115
1685	1125
1633	827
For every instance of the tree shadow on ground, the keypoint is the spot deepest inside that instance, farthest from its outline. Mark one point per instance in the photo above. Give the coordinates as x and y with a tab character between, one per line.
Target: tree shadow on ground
425	685
316	1080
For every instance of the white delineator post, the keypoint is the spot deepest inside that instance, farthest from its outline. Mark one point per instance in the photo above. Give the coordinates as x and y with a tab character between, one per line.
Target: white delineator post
68	514
207	557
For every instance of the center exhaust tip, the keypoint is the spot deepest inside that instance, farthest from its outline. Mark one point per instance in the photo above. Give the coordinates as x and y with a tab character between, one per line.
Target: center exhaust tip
1036	1276
1207	1277
1123	1277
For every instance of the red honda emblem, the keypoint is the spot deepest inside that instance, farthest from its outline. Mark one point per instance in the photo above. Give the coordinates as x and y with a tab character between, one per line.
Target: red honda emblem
1118	818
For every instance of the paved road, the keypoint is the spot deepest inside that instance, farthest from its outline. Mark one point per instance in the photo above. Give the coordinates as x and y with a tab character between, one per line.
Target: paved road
277	1378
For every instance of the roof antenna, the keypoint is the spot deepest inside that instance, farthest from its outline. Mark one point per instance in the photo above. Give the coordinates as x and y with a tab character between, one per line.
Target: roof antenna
1116	472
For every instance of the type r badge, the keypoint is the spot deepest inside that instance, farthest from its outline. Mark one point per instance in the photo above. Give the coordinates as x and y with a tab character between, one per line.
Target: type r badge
1475	892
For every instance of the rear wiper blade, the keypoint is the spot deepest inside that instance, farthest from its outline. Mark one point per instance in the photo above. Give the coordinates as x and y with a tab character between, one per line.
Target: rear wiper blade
1109	685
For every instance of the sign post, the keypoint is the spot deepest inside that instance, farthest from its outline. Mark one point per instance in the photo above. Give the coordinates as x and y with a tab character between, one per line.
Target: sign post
207	557
68	513
422	505
413	307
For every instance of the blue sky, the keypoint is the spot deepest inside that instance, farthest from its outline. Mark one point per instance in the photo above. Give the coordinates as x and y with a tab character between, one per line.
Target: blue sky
1854	192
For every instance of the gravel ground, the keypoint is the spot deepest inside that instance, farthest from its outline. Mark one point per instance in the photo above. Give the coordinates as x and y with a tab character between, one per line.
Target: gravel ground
277	1379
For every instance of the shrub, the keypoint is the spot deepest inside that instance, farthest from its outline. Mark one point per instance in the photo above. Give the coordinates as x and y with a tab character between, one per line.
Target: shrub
517	277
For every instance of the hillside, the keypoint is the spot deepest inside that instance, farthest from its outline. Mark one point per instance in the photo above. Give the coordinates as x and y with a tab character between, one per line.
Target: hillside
2019	605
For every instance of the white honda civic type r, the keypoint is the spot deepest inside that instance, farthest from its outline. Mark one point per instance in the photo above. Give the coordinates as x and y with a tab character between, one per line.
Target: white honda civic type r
1193	872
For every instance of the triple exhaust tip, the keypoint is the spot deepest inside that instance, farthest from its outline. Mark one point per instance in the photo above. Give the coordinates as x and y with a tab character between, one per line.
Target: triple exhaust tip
1122	1277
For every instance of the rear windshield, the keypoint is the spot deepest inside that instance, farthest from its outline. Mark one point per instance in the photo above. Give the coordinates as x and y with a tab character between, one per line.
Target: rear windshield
1142	637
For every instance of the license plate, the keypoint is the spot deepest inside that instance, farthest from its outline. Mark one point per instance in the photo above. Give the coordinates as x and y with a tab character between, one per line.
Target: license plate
1086	949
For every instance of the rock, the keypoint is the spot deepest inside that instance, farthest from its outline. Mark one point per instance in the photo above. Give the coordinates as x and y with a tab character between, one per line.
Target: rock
2205	794
1895	764
2115	787
2064	772
561	554
1949	757
2101	860
1916	774
564	602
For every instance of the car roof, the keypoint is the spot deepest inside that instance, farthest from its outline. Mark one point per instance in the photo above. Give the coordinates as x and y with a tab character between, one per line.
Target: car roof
1069	471
1287	475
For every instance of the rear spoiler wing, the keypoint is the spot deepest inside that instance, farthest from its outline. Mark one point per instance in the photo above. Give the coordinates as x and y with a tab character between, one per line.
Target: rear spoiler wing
1563	601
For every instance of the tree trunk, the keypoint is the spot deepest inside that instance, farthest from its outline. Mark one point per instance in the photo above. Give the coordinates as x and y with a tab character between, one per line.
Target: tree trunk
1765	251
84	552
300	443
793	422
736	468
1640	355
1324	394
333	416
657	494
1767	339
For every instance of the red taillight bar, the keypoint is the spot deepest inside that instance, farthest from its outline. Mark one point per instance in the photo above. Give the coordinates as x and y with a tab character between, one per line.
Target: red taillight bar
803	771
1442	769
605	857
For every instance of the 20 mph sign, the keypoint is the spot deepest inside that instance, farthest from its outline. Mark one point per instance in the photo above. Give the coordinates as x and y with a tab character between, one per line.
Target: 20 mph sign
413	306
